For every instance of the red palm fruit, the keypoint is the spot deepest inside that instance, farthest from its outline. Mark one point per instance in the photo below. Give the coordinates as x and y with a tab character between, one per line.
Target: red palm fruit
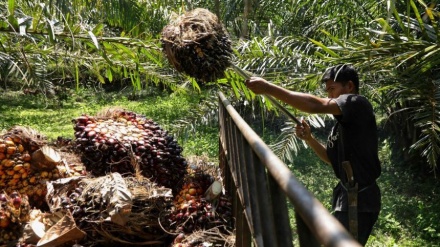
16	202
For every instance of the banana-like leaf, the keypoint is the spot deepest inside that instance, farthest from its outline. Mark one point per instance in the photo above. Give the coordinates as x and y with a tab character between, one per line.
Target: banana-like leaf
333	38
11	7
109	74
418	16
98	29
325	48
51	31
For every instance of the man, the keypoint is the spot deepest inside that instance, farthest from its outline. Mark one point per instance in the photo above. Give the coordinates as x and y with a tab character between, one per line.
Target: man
353	138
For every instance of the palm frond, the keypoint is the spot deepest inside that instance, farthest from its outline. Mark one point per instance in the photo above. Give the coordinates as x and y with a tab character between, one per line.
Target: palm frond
46	46
401	56
426	117
286	145
279	59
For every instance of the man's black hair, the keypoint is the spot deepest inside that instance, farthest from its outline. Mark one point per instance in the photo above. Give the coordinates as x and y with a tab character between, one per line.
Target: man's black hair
342	73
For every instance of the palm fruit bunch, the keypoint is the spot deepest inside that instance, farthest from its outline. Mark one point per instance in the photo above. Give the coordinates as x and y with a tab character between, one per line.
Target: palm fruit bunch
201	214
193	212
193	187
19	164
69	202
197	44
14	212
117	140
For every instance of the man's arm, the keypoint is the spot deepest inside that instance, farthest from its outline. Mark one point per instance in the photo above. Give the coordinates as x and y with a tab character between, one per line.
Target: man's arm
319	149
301	101
303	132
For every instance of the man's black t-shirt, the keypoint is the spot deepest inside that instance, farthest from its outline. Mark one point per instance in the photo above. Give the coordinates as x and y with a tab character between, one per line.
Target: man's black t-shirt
360	148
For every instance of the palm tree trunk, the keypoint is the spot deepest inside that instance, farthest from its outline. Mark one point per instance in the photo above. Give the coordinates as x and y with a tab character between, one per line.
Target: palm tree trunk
244	26
217	9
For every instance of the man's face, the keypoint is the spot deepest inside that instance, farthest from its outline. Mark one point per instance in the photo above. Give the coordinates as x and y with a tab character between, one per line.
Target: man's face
334	89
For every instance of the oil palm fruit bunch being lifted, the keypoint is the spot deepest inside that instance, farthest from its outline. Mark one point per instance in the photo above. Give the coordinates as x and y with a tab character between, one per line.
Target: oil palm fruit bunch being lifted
122	141
197	44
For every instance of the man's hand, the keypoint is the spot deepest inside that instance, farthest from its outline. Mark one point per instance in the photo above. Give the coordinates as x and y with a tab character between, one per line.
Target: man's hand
303	131
257	85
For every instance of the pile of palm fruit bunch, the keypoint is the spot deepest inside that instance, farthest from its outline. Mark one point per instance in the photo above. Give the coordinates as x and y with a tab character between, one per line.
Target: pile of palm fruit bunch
114	210
117	140
197	44
135	187
195	210
26	163
14	212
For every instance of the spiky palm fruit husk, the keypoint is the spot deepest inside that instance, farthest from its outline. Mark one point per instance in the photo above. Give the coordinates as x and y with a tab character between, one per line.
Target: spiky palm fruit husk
17	166
89	203
211	237
197	44
122	141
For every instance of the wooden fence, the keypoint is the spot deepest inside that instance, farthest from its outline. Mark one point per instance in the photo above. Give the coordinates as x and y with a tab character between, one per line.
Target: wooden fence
260	185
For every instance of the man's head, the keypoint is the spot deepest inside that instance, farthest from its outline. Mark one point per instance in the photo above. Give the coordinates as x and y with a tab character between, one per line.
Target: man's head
341	79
